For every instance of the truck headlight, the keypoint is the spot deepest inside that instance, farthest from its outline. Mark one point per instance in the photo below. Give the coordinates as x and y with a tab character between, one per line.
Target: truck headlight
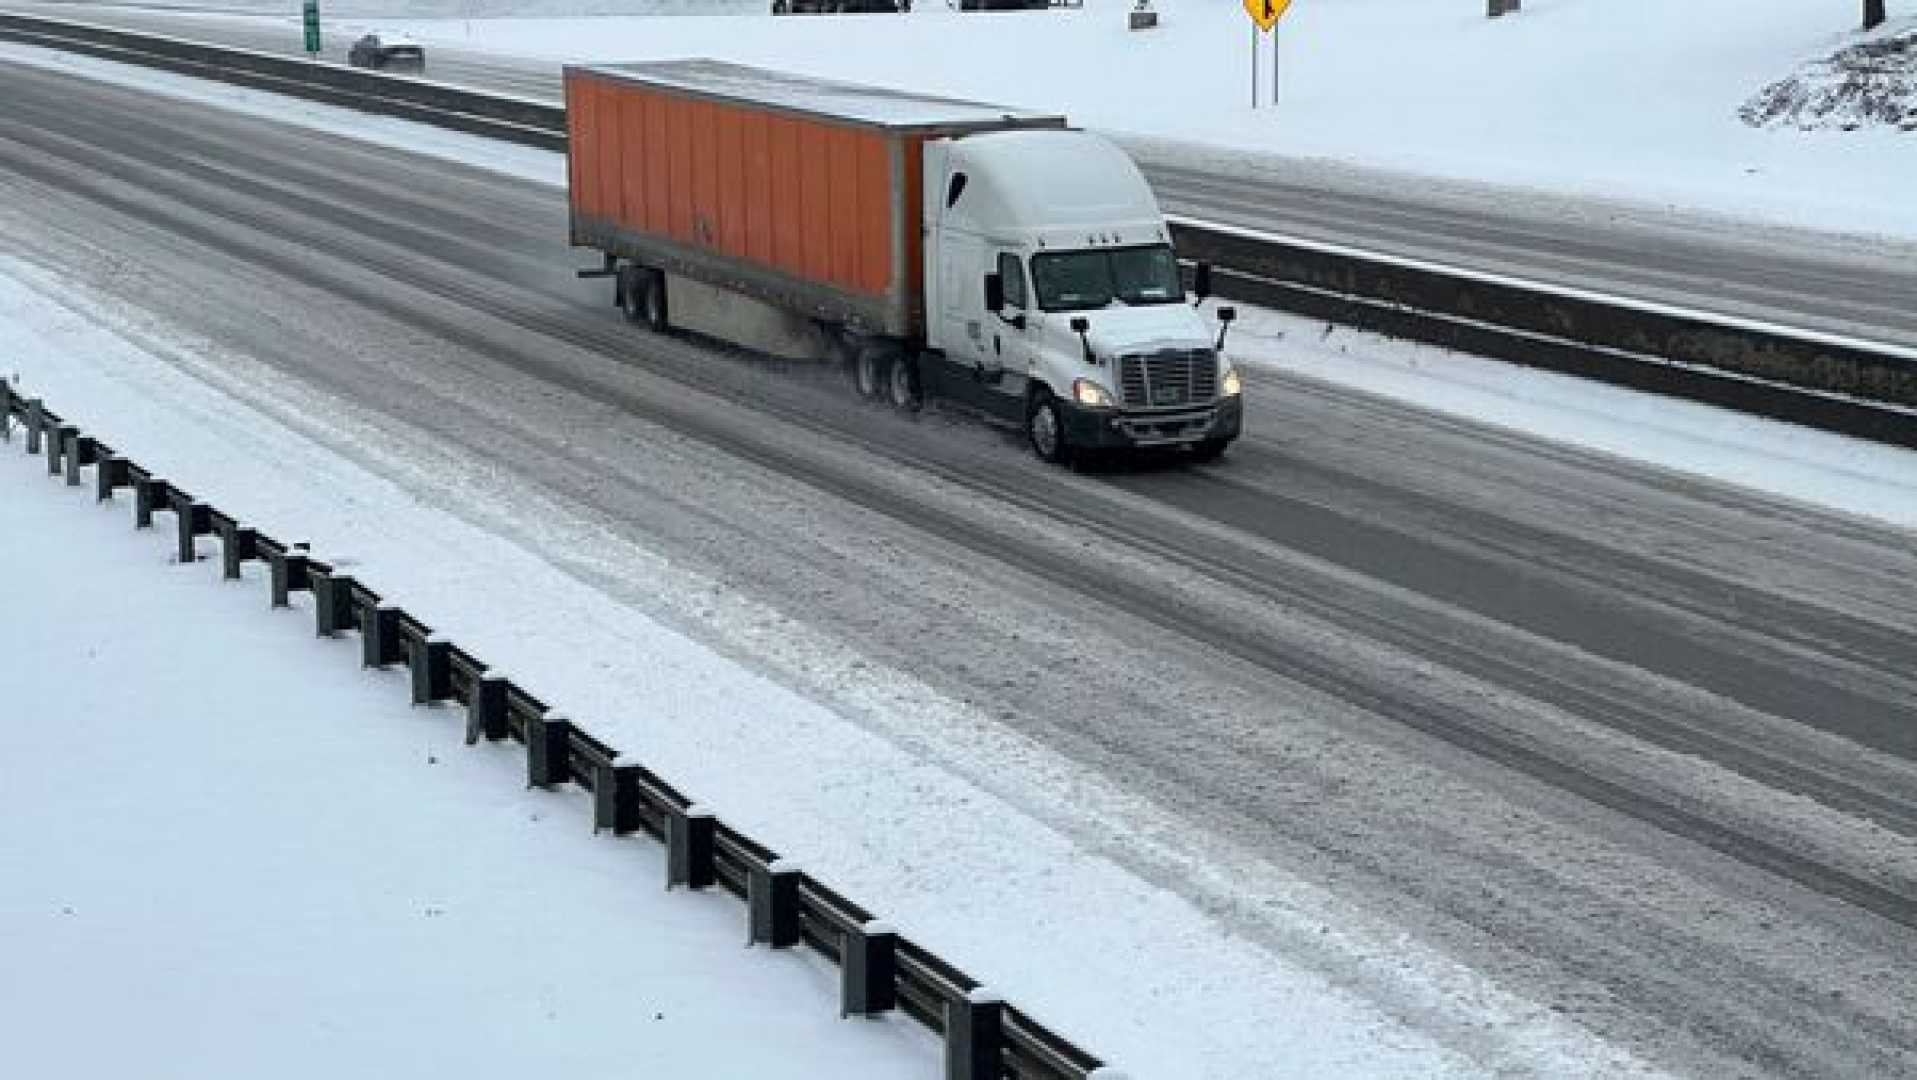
1233	385
1087	392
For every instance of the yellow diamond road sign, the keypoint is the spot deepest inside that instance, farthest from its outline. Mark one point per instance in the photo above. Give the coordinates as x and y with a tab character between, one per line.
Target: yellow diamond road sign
1265	12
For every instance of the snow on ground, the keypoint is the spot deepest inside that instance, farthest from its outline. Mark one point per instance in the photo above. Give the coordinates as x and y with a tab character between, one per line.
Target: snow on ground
1621	99
1872	82
228	851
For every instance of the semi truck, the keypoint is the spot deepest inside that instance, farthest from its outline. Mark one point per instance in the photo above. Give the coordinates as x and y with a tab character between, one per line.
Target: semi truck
947	249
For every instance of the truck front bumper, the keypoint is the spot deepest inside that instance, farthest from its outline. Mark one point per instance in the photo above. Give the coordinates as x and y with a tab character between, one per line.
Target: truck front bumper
1110	429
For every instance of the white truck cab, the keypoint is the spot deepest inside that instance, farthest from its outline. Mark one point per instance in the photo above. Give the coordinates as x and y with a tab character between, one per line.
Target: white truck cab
1052	294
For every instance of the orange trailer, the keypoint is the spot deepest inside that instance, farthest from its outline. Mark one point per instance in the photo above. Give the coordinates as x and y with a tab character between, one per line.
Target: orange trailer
802	192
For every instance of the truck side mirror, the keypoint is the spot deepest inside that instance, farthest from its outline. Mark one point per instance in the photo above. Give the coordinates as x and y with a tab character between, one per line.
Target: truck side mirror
1226	316
994	293
1201	281
1082	327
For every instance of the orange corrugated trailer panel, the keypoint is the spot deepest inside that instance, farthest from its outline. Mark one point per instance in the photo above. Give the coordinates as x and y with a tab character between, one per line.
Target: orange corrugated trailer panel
799	191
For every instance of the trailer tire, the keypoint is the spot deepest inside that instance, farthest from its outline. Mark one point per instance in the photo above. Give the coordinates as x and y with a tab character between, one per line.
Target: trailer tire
902	383
626	294
870	368
1045	428
652	290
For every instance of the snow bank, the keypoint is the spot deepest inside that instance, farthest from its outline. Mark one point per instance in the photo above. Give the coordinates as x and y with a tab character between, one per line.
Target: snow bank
231	852
1870	83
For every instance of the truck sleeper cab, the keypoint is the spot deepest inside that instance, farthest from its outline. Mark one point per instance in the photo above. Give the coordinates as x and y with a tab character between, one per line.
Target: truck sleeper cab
1059	301
950	249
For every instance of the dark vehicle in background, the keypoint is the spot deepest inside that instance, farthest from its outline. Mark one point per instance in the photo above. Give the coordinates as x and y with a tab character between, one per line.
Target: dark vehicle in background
373	52
840	7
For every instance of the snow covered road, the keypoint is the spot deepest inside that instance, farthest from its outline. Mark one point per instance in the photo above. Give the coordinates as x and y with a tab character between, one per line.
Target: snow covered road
1343	698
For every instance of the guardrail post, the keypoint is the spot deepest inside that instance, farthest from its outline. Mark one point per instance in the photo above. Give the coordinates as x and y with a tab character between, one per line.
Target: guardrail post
974	1036
869	970
432	664
291	573
82	450
547	736
195	519
379	635
486	708
57	436
615	798
36	417
148	494
332	605
114	473
690	847
772	904
238	544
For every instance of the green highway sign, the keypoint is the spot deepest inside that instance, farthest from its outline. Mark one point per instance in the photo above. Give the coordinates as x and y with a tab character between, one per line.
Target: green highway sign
311	10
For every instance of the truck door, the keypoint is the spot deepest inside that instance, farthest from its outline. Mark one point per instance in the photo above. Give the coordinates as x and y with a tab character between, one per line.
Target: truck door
962	300
1009	342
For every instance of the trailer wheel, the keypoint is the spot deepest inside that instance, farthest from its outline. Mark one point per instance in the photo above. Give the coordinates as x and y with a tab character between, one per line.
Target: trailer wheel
626	294
653	301
902	383
1045	429
869	369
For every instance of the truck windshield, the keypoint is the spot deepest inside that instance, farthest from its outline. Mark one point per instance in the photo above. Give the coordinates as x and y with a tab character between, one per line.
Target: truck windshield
1080	280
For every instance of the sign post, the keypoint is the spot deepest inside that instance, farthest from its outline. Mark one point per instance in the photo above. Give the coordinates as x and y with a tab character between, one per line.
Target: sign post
1264	19
310	9
1254	64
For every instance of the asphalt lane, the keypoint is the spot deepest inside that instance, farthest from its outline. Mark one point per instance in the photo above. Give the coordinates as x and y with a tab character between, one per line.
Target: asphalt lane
1637	744
1856	286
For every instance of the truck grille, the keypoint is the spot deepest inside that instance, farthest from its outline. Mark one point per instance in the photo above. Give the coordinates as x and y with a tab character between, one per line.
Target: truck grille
1168	378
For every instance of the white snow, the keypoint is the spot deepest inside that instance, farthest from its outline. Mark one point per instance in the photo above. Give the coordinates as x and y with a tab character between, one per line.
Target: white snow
227	851
1635	100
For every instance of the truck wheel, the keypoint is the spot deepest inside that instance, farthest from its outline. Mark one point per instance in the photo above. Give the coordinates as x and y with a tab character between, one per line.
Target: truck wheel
1209	449
1045	428
902	384
869	370
626	293
652	290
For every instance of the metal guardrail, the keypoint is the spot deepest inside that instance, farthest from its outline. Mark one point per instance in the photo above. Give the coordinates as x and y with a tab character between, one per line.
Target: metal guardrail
880	969
1817	380
498	116
1813	379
